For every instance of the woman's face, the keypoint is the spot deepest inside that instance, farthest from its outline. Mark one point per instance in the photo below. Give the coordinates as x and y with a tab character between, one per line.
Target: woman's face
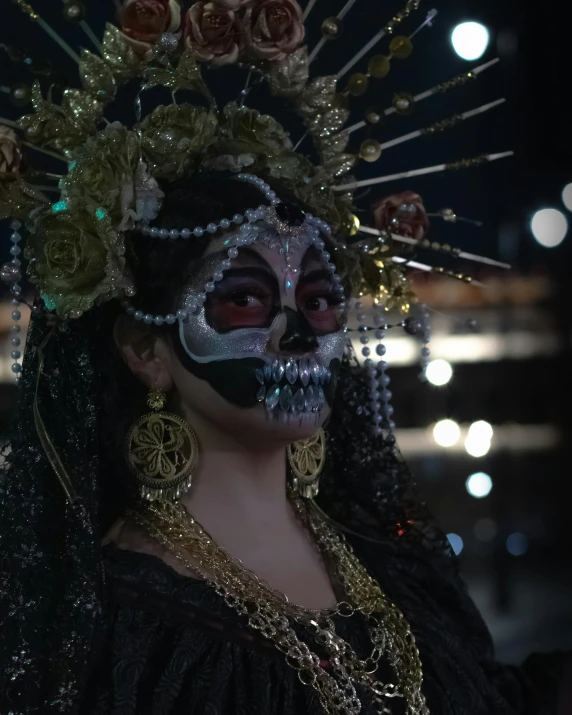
261	357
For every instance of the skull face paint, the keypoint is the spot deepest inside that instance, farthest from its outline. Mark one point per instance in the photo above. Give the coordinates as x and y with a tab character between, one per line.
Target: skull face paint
271	329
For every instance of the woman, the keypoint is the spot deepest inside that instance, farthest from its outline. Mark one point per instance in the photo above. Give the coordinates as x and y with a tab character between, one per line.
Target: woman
161	631
203	507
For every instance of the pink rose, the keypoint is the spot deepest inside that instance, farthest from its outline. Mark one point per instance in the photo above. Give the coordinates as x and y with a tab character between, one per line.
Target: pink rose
10	154
274	29
214	33
403	214
144	21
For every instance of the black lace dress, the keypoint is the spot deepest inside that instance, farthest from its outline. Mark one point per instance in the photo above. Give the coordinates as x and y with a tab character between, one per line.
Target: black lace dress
169	645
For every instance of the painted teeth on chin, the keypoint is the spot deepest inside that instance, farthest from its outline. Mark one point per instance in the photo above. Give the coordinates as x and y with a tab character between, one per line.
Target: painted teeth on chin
305	419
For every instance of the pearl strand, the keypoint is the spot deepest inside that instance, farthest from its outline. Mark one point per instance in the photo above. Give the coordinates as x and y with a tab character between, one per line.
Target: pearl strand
250	215
11	274
383	380
425	339
248	235
419	325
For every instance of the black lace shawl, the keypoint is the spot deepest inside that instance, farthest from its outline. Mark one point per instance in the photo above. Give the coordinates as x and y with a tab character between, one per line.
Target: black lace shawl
83	632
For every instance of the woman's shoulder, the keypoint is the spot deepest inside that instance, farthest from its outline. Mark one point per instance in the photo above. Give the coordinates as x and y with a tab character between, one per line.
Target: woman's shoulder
126	542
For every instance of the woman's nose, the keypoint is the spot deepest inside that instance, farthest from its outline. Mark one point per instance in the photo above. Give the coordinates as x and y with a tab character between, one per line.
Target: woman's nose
298	336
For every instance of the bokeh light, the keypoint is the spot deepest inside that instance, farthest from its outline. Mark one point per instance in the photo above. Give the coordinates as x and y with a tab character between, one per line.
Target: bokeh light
481	429
446	433
549	227
456	543
439	372
470	40
478	441
567	196
517	544
479	485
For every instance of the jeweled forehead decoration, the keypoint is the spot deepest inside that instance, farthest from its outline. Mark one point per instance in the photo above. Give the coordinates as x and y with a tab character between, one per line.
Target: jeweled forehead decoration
266	224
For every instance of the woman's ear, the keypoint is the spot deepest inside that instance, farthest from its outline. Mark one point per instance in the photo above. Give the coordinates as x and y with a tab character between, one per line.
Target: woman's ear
143	352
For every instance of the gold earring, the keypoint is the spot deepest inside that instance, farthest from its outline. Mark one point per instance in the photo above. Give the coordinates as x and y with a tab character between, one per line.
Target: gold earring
307	457
162	452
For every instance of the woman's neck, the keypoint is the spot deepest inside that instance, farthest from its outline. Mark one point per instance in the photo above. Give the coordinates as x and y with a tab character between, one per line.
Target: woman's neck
234	483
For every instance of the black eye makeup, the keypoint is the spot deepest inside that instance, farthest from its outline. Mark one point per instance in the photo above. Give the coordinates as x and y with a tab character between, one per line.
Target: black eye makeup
245	298
318	299
249	296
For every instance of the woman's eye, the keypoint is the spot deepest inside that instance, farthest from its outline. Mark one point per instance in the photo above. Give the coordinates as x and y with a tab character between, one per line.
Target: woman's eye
245	300
318	303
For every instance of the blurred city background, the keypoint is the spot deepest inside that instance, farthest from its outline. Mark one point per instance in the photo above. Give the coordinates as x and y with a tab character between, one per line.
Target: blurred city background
488	438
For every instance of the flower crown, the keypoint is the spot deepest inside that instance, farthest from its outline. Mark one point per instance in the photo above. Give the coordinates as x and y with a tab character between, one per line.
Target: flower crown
77	220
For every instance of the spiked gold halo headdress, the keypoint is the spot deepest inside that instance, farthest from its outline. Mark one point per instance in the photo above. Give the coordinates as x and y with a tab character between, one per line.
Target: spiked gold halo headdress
76	244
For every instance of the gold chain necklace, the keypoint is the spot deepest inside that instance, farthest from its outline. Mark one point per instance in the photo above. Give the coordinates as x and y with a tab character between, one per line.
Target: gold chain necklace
268	611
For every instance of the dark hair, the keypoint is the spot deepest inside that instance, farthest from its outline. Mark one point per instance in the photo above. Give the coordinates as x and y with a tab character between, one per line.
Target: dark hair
160	269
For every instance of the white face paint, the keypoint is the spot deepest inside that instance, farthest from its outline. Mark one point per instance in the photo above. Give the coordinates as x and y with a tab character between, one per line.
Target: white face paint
273	317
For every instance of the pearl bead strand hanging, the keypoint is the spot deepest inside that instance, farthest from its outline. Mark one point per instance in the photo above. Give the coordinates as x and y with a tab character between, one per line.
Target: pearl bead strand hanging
11	273
419	325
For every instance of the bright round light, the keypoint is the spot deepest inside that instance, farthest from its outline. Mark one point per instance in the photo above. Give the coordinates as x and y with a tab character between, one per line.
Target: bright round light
517	544
439	372
470	40
478	442
456	543
477	447
549	227
446	433
481	430
567	196
479	485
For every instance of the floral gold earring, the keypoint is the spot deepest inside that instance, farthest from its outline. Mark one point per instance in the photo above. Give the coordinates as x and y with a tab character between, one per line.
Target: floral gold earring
306	458
162	451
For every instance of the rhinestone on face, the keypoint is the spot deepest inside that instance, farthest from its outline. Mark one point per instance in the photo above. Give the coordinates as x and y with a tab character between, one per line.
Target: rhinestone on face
291	371
304	372
286	398
278	369
315	371
310	399
272	397
268	373
259	375
261	394
299	401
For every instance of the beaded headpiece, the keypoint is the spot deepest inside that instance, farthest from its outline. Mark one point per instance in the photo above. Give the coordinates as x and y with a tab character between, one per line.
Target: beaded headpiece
79	220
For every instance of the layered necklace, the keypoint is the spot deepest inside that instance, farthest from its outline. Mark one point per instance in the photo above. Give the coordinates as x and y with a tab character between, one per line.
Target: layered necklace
269	612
